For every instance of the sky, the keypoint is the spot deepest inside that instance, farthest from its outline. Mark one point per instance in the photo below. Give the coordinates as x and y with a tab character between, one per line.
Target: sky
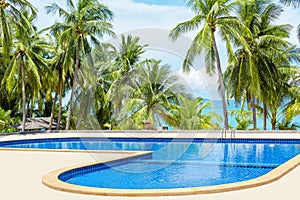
151	20
137	14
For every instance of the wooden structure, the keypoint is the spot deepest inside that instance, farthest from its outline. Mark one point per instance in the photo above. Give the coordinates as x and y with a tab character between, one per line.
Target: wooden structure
37	123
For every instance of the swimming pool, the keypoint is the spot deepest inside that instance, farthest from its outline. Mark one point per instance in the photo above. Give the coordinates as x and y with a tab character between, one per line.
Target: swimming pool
175	163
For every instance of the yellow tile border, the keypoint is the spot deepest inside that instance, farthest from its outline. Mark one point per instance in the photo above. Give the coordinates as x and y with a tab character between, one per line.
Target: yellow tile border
51	180
73	151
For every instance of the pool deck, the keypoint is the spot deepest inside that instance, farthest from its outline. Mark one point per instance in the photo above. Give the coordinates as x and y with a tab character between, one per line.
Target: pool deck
21	172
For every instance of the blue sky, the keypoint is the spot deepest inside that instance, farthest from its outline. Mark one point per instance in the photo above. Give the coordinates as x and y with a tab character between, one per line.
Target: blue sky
136	14
130	15
162	2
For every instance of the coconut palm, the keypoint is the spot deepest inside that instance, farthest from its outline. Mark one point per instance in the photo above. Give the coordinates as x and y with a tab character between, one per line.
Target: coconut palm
211	16
293	107
61	73
255	73
10	14
26	63
287	124
127	56
242	117
192	114
6	121
86	22
150	93
103	103
129	53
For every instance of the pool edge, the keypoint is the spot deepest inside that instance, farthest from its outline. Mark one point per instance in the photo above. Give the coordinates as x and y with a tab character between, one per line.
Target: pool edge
51	180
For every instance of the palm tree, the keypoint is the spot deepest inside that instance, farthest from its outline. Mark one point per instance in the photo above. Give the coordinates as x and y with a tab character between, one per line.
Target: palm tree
10	14
150	92
211	16
25	63
242	117
6	121
255	73
293	107
129	53
127	57
87	21
60	71
190	114
108	76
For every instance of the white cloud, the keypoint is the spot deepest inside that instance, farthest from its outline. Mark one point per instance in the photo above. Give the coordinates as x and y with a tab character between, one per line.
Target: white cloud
201	84
291	16
130	15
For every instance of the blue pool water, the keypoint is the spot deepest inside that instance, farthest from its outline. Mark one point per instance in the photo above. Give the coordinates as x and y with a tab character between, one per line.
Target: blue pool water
174	163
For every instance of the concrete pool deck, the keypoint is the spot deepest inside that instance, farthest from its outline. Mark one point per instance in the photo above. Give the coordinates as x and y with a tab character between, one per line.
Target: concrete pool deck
21	171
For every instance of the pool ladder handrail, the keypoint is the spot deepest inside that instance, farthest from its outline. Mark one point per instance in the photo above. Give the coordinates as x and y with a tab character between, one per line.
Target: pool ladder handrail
232	133
224	131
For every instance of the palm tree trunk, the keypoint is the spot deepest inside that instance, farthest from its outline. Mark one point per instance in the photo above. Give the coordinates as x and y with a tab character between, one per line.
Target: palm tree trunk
74	84
28	108
265	115
31	106
52	111
274	121
23	93
221	83
60	103
82	114
253	112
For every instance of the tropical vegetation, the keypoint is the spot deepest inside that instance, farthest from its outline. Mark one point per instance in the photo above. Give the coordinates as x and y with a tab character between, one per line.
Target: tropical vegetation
66	71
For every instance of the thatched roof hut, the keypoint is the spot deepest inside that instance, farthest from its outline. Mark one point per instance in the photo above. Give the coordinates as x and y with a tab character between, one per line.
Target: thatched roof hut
37	123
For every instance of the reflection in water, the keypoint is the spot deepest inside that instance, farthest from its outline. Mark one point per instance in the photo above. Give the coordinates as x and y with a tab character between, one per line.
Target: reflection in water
177	164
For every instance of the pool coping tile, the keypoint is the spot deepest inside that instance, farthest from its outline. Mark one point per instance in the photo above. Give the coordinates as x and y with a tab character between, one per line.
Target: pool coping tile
52	180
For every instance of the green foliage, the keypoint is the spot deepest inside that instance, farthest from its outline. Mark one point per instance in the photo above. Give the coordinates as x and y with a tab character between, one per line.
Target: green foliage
261	69
129	53
147	95
212	16
85	22
6	121
190	114
243	119
127	91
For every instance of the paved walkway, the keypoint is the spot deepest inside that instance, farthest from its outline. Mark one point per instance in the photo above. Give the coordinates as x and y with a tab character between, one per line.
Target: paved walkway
21	173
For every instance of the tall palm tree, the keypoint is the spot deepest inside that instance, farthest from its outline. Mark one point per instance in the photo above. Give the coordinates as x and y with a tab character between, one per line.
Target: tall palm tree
255	73
86	22
10	13
127	57
107	74
211	16
61	73
129	53
25	63
150	93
